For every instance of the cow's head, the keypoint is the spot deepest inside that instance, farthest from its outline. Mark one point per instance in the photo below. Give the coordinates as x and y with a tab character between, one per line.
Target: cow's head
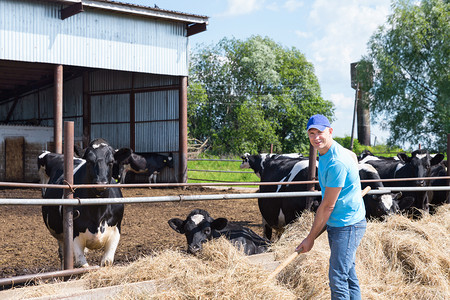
199	227
99	158
245	164
169	160
418	165
384	205
254	162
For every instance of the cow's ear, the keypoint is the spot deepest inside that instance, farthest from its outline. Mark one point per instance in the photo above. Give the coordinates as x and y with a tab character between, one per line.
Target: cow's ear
437	159
177	225
405	202
122	153
404	158
398	196
219	223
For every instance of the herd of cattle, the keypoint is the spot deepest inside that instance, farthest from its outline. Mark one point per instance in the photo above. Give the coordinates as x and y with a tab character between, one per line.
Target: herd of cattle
98	226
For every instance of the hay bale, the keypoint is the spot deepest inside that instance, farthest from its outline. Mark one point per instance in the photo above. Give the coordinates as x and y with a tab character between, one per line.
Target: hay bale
221	271
398	258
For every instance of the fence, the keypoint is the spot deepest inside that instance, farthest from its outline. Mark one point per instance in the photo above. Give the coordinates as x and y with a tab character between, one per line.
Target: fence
100	201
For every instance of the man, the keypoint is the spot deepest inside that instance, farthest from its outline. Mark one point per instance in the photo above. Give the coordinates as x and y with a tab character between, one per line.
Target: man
341	212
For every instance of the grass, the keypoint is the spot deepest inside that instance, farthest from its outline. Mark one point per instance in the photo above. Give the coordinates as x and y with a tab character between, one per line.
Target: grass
216	165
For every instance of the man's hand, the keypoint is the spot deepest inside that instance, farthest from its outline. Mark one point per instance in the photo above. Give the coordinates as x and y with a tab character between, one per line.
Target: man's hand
305	246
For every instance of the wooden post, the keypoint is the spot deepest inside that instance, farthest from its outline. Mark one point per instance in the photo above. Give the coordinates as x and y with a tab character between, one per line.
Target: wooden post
68	210
448	167
311	174
58	108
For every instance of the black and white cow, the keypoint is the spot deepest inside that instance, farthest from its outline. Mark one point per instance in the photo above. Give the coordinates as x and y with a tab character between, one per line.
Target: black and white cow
437	198
278	212
379	206
94	226
199	227
256	162
142	163
50	166
418	165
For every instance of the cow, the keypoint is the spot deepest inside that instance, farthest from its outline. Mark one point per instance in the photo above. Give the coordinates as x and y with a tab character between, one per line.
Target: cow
437	198
417	165
50	166
278	212
94	226
141	163
199	227
256	162
380	206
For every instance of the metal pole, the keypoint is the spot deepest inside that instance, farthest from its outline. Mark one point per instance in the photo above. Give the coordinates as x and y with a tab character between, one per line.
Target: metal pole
48	275
58	108
68	210
182	172
354	115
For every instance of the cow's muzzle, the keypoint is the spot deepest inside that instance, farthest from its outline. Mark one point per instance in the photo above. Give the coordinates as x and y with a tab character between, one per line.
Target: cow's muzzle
194	249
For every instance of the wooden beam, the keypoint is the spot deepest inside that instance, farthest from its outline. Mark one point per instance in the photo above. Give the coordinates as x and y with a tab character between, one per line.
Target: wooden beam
71	10
196	28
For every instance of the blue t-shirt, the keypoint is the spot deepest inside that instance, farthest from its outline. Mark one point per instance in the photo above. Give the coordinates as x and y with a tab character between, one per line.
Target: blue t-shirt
338	169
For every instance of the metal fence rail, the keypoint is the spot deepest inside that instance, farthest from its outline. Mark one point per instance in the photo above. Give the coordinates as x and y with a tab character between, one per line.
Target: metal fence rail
220	171
129	185
179	198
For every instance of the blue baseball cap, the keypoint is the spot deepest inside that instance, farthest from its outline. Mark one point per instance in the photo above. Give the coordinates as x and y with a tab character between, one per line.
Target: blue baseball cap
319	122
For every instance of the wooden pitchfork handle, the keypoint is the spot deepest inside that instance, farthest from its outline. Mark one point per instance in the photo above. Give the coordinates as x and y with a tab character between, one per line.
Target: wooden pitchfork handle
295	254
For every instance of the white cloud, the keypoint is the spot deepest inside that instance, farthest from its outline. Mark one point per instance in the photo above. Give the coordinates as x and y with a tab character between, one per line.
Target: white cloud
342	101
302	34
292	5
243	7
344	28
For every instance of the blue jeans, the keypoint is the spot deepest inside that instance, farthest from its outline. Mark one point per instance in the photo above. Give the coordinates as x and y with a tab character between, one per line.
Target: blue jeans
342	275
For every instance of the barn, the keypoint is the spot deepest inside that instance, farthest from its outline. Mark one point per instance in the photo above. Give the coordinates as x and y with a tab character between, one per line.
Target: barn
118	71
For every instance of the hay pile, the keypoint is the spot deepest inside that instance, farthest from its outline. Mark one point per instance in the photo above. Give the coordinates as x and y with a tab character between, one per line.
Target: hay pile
220	272
397	259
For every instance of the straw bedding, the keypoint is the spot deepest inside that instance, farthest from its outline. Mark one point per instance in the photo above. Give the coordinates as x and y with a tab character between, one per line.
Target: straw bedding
398	258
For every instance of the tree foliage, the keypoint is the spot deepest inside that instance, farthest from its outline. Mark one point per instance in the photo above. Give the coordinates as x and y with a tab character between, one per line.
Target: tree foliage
245	95
411	88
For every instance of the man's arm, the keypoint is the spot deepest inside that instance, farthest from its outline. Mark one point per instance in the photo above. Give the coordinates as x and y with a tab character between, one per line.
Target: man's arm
322	215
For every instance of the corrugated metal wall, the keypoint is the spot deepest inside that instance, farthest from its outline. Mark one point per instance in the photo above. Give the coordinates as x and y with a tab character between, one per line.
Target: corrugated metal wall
94	38
37	108
156	112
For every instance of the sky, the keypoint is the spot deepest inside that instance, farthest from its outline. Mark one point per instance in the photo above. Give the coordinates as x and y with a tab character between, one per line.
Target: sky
331	34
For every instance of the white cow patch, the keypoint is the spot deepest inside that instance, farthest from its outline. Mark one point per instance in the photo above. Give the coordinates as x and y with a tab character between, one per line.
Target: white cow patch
399	166
82	162
420	156
367	167
95	146
197	218
43	154
387	201
281	218
368	158
109	239
295	170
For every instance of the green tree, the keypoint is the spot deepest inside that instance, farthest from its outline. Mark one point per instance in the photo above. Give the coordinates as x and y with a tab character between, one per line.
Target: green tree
411	88
245	95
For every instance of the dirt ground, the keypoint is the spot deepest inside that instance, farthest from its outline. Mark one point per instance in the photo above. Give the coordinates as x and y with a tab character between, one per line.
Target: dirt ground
26	246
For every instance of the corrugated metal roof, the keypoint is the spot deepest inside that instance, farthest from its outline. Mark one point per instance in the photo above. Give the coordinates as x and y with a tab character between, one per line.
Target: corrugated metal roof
146	11
106	35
